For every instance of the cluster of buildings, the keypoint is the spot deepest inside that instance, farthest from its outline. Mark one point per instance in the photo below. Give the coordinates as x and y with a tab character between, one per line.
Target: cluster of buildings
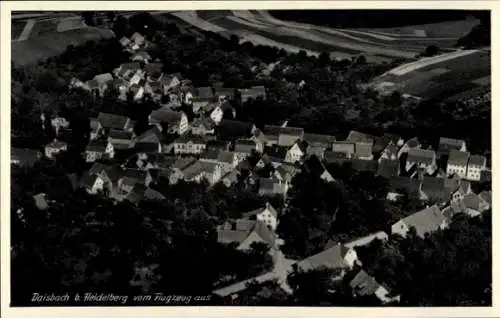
216	148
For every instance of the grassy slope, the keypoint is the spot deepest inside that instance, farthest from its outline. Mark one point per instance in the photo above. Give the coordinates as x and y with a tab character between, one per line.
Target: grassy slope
50	44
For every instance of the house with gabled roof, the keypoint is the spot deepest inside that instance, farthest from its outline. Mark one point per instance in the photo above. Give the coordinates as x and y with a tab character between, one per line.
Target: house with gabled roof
55	147
127	71
475	166
141	56
124	41
98	149
365	240
252	92
266	214
463	188
457	163
356	136
365	285
231	177
203	170
296	152
121	139
283	136
227	159
215	144
336	257
170	82
190	144
425	221
272	187
112	121
475	205
138	39
390	152
412	143
433	189
91	183
202	126
319	140
314	166
448	144
224	93
176	122
245	147
245	236
347	148
421	158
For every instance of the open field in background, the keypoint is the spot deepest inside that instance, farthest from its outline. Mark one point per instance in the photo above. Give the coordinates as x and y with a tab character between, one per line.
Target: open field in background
51	44
383	44
449	29
440	77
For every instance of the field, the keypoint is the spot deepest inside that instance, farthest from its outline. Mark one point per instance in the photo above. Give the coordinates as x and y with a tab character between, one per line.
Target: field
47	45
439	77
385	44
34	40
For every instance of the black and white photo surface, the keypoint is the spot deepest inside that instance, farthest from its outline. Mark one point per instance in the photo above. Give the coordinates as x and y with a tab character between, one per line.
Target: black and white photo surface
251	158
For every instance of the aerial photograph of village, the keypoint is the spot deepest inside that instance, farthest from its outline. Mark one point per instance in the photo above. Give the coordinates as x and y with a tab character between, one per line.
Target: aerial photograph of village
251	158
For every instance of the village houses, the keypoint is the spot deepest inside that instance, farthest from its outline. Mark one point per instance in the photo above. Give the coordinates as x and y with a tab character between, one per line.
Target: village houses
176	122
475	166
55	147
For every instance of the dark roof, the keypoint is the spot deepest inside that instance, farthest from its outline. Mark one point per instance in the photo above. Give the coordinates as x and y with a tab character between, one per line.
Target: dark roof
356	136
332	156
87	180
408	184
218	155
363	284
459	158
153	135
146	147
97	168
97	146
276	151
472	201
425	221
413	142
165	116
234	128
434	187
477	160
341	146
120	134
224	91
244	145
329	258
319	140
278	130
57	144
231	236
204	92
112	120
420	155
191	138
217	144
314	166
447	144
207	123
25	156
486	176
381	143
388	168
365	165
153	67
